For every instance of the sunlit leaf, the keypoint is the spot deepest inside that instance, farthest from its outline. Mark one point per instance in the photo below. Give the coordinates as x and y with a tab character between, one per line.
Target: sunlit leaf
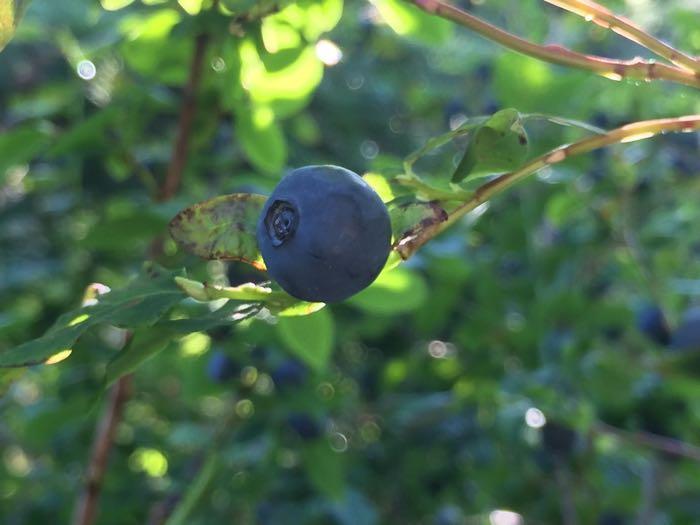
11	12
115	5
285	90
309	337
262	139
311	17
394	292
408	20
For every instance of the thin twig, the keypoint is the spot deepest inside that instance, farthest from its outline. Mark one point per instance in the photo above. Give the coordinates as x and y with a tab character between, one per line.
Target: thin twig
629	133
637	68
650	489
603	17
86	508
176	508
567	500
667	445
173	177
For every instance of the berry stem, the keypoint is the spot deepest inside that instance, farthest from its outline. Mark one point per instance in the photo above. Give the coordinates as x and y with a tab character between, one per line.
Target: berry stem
87	505
614	69
603	17
629	133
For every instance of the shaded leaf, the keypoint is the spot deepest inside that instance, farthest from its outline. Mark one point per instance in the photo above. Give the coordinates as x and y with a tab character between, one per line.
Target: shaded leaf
500	144
325	469
221	228
143	345
20	145
140	303
435	189
436	142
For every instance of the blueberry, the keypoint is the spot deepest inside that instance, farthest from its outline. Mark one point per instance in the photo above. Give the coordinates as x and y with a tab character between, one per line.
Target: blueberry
290	373
611	518
324	234
687	335
222	368
558	439
448	515
304	425
652	323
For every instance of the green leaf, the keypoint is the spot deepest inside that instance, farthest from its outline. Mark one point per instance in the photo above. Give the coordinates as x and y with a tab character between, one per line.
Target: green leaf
11	12
112	235
500	144
141	303
407	218
221	228
229	314
434	143
286	87
278	302
196	490
309	337
143	345
147	343
262	139
325	469
395	291
408	20
149	51
312	18
22	144
435	189
86	134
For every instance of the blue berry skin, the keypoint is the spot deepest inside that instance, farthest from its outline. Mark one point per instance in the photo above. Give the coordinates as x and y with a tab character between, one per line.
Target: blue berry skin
304	425
324	234
221	368
290	373
651	322
687	335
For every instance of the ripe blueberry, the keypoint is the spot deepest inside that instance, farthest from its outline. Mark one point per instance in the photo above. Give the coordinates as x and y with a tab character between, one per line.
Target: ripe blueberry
652	323
558	439
324	234
222	368
290	373
305	426
687	335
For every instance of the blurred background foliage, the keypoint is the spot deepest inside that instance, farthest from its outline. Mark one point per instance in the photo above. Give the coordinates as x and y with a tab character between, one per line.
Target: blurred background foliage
558	302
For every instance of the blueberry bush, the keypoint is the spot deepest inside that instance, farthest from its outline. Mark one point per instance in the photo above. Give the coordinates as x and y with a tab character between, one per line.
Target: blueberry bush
208	317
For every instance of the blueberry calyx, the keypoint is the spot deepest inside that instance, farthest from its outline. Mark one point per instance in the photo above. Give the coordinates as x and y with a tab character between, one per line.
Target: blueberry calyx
281	222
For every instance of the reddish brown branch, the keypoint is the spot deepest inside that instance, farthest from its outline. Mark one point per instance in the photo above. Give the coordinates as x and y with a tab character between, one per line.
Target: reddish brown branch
188	106
637	68
603	17
667	445
86	508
